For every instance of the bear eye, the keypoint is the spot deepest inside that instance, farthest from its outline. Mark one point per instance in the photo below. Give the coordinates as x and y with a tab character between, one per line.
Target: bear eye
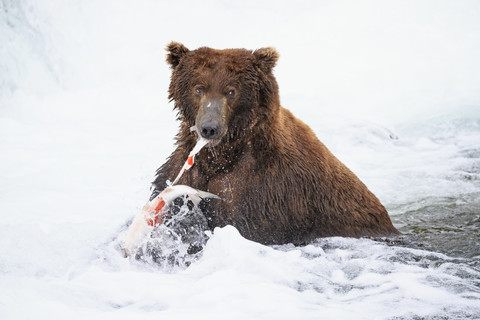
199	91
230	93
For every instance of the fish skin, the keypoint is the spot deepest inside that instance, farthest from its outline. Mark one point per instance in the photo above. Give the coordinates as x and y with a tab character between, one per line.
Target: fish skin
140	226
173	192
191	158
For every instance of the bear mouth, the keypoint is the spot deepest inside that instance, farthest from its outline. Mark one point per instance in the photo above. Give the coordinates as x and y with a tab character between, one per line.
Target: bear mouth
211	142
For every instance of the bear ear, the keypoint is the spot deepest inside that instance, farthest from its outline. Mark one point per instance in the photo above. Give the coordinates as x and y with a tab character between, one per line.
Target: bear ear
266	58
176	51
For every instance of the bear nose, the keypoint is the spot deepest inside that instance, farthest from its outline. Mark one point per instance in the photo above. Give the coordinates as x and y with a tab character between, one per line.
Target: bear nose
209	130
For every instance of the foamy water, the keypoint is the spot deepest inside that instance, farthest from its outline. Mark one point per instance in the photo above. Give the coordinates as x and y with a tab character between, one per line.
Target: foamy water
392	88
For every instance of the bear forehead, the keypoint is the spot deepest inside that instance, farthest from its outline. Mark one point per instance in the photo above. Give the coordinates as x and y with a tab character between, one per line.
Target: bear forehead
233	60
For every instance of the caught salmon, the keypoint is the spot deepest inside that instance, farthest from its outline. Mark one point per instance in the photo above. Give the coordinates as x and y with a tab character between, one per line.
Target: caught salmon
155	209
191	158
153	212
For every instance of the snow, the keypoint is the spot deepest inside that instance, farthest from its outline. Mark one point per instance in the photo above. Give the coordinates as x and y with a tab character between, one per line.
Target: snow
392	88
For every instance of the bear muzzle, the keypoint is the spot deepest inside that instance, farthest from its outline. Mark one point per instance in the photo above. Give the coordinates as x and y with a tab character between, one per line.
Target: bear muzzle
210	120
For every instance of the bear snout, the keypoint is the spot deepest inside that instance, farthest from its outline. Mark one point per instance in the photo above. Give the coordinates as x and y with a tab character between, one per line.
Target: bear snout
210	119
209	130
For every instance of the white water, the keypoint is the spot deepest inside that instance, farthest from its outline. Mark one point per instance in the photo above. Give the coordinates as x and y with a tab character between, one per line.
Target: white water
85	121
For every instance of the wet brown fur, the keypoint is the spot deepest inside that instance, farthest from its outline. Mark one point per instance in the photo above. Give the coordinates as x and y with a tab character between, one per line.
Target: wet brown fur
278	182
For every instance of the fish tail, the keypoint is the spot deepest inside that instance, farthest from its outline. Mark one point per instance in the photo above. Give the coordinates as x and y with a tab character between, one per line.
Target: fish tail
199	195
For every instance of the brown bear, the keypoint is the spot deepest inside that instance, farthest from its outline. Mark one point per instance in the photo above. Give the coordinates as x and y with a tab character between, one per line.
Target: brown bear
278	183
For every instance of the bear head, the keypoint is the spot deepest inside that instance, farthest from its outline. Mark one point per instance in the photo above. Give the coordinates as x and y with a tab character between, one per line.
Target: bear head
224	94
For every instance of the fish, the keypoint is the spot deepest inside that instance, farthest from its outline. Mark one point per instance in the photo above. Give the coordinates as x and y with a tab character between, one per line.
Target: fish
201	142
153	212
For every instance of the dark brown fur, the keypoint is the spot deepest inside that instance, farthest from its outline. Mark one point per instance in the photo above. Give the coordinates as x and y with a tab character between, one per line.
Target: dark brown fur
278	182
